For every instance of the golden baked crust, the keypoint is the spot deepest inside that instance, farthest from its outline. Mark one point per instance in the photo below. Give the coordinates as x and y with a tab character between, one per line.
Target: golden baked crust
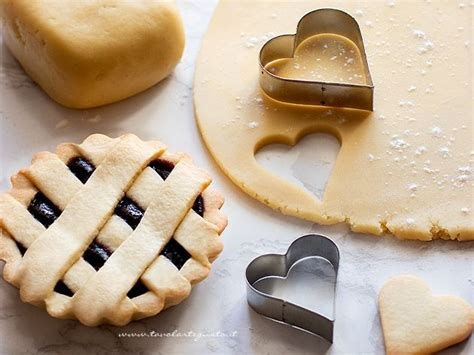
91	53
55	253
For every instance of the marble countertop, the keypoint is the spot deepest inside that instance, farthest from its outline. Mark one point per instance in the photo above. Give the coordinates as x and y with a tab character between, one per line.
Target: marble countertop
216	317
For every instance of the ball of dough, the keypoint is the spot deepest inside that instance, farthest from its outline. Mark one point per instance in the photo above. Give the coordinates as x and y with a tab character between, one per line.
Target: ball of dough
86	53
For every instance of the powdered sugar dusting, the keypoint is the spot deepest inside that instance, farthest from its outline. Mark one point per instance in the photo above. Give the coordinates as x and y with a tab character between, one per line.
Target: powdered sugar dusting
420	150
436	132
253	124
444	152
398	143
419	34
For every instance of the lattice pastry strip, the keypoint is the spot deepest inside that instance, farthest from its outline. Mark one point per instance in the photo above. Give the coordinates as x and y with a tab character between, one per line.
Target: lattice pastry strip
164	281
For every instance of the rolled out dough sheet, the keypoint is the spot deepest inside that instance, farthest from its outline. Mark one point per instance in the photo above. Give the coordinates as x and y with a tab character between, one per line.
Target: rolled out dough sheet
406	168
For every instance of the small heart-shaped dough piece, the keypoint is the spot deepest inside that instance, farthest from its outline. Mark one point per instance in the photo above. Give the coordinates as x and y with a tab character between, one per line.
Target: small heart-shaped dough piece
416	322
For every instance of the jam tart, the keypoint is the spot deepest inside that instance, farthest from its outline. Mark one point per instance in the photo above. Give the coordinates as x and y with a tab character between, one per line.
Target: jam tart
110	230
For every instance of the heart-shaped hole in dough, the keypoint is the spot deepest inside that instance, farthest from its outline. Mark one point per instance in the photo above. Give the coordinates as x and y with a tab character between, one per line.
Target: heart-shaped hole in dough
308	164
310	283
323	57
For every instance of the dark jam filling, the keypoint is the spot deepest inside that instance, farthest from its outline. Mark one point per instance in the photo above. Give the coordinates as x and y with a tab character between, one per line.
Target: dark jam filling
96	254
129	211
62	288
198	206
43	209
21	248
162	167
138	289
176	253
81	168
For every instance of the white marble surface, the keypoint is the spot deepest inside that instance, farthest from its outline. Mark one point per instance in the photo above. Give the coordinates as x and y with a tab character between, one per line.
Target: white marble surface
31	122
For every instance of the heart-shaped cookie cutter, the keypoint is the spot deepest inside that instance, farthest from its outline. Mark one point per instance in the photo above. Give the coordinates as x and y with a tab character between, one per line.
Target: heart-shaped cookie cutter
309	92
311	245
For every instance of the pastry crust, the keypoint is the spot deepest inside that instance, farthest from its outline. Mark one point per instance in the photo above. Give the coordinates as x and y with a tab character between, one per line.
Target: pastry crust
54	253
416	322
91	53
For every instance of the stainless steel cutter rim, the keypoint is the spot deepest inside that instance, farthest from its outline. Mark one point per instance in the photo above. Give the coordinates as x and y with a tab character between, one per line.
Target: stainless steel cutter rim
262	294
363	88
252	291
288	271
282	78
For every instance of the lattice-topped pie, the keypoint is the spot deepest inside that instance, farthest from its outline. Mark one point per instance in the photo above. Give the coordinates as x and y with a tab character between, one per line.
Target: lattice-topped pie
110	230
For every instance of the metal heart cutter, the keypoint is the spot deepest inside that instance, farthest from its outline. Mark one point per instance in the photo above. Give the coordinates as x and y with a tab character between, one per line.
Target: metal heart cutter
310	92
276	267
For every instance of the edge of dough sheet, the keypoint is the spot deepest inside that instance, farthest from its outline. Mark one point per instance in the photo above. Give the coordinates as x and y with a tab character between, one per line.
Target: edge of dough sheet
393	174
